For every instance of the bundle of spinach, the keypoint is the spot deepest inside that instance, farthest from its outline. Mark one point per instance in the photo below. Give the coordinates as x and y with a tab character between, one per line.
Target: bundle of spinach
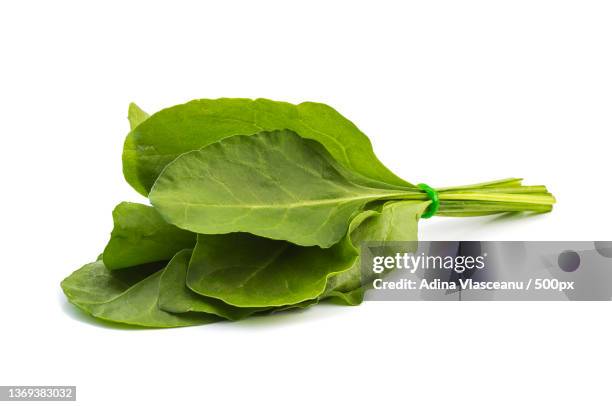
257	206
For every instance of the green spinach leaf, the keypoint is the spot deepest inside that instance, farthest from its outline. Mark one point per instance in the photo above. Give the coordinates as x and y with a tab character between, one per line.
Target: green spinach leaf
112	296
140	236
251	271
273	184
136	115
247	271
176	297
171	132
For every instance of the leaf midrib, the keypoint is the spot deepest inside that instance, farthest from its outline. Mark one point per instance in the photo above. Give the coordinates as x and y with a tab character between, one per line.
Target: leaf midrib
315	202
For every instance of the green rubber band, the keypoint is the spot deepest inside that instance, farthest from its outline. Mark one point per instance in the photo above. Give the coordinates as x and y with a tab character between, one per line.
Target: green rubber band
432	194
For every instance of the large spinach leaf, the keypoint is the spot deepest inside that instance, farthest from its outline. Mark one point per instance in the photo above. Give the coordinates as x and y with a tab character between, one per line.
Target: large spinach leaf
273	184
251	271
171	132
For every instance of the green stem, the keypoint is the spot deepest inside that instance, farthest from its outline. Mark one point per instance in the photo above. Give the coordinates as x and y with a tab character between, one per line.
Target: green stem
488	198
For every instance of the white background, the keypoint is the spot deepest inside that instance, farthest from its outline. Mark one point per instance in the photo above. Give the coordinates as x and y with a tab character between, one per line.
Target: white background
449	92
